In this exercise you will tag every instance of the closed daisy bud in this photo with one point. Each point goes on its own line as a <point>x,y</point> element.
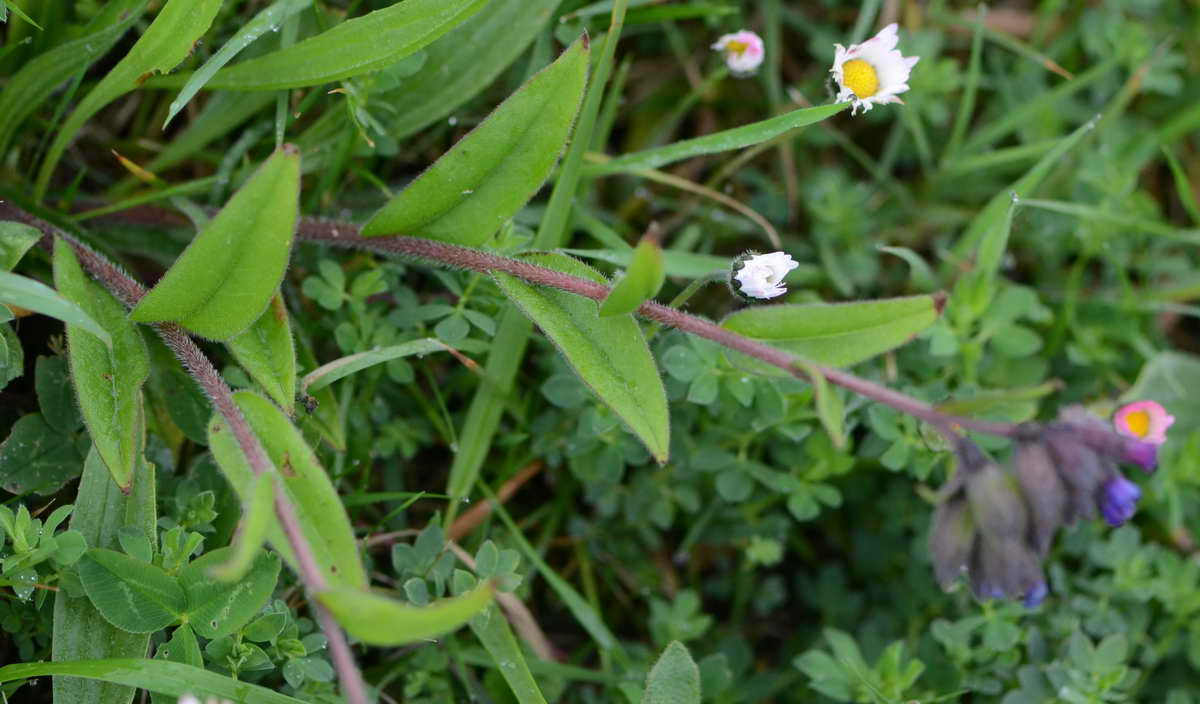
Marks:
<point>873,72</point>
<point>743,51</point>
<point>1044,492</point>
<point>1118,499</point>
<point>755,275</point>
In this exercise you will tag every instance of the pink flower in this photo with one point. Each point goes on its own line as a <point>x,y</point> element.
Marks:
<point>1145,420</point>
<point>743,51</point>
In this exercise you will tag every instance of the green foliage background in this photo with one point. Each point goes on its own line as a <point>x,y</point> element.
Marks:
<point>792,569</point>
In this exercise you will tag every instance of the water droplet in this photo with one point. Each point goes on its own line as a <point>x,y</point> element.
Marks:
<point>468,192</point>
<point>453,120</point>
<point>466,500</point>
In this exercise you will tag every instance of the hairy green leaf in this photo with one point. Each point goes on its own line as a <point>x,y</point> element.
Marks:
<point>378,620</point>
<point>641,282</point>
<point>259,512</point>
<point>609,354</point>
<point>227,276</point>
<point>674,679</point>
<point>268,354</point>
<point>489,174</point>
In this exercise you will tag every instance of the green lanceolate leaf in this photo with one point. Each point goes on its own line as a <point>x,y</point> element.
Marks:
<point>256,520</point>
<point>352,48</point>
<point>727,140</point>
<point>493,171</point>
<point>161,676</point>
<point>835,334</point>
<point>378,620</point>
<point>15,240</point>
<point>674,679</point>
<point>43,74</point>
<point>609,354</point>
<point>165,43</point>
<point>465,61</point>
<point>132,595</point>
<point>226,277</point>
<point>326,374</point>
<point>108,380</point>
<point>830,408</point>
<point>80,632</point>
<point>641,282</point>
<point>216,608</point>
<point>321,514</point>
<point>37,297</point>
<point>267,353</point>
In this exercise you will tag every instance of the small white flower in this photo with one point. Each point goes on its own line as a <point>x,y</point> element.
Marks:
<point>743,51</point>
<point>873,72</point>
<point>761,275</point>
<point>191,699</point>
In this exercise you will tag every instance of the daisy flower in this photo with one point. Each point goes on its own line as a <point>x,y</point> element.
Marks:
<point>873,72</point>
<point>743,51</point>
<point>1145,420</point>
<point>761,275</point>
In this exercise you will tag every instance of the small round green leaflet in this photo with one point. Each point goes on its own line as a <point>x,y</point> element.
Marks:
<point>227,276</point>
<point>610,354</point>
<point>108,379</point>
<point>641,282</point>
<point>322,516</point>
<point>378,620</point>
<point>833,334</point>
<point>492,172</point>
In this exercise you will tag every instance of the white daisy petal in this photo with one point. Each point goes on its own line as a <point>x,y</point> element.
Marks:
<point>873,72</point>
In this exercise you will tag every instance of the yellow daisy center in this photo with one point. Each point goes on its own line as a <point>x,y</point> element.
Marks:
<point>1138,423</point>
<point>736,47</point>
<point>860,77</point>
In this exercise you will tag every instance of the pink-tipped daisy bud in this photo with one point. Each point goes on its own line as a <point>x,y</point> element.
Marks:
<point>1143,420</point>
<point>759,276</point>
<point>743,51</point>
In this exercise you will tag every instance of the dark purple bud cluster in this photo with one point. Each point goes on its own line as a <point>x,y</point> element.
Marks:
<point>994,525</point>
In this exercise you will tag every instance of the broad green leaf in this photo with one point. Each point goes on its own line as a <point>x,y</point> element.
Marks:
<point>216,608</point>
<point>226,277</point>
<point>108,380</point>
<point>182,648</point>
<point>46,72</point>
<point>610,354</point>
<point>326,374</point>
<point>36,458</point>
<point>80,632</point>
<point>321,514</point>
<point>465,61</point>
<point>834,334</point>
<point>36,296</point>
<point>352,48</point>
<point>55,396</point>
<point>258,513</point>
<point>641,282</point>
<point>491,628</point>
<point>267,353</point>
<point>132,595</point>
<point>727,140</point>
<point>12,355</point>
<point>269,18</point>
<point>162,676</point>
<point>378,620</point>
<point>165,43</point>
<point>674,679</point>
<point>15,240</point>
<point>489,174</point>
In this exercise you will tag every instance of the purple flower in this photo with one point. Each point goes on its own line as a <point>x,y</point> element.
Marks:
<point>1118,500</point>
<point>1036,595</point>
<point>1143,454</point>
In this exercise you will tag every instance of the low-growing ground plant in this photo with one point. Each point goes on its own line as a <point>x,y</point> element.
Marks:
<point>644,351</point>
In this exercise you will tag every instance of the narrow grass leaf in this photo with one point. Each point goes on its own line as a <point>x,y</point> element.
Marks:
<point>218,608</point>
<point>306,483</point>
<point>80,632</point>
<point>165,43</point>
<point>465,61</point>
<point>227,276</point>
<point>1183,186</point>
<point>641,282</point>
<point>268,354</point>
<point>835,334</point>
<point>688,265</point>
<point>108,378</point>
<point>354,47</point>
<point>674,679</point>
<point>379,620</point>
<point>25,292</point>
<point>326,374</point>
<point>267,19</point>
<point>256,520</point>
<point>467,194</point>
<point>132,595</point>
<point>161,676</point>
<point>727,140</point>
<point>609,354</point>
<point>497,638</point>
